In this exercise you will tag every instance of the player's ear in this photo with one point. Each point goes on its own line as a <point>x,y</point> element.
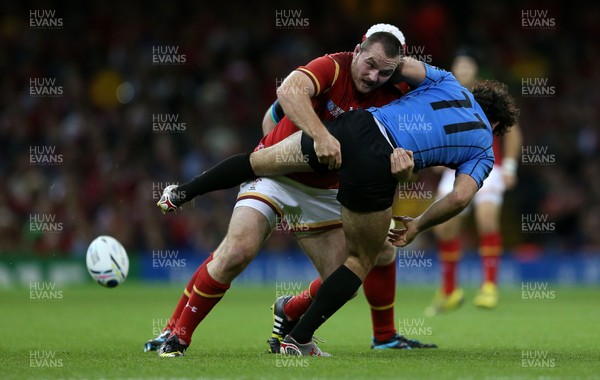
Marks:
<point>357,49</point>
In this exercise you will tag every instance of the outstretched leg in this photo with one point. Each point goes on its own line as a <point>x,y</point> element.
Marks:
<point>282,158</point>
<point>365,236</point>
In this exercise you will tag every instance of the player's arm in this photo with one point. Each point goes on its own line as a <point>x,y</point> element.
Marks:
<point>411,71</point>
<point>267,124</point>
<point>273,115</point>
<point>513,140</point>
<point>440,211</point>
<point>295,95</point>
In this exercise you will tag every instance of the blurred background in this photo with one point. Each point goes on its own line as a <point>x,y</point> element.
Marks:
<point>104,104</point>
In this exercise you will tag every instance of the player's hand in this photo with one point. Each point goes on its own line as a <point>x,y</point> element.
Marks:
<point>402,163</point>
<point>328,151</point>
<point>400,237</point>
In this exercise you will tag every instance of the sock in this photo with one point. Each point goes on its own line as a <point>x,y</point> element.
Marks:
<point>335,291</point>
<point>449,257</point>
<point>207,292</point>
<point>380,290</point>
<point>228,173</point>
<point>186,295</point>
<point>490,249</point>
<point>298,305</point>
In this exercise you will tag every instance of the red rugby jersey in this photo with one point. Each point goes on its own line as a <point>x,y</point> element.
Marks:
<point>497,148</point>
<point>334,95</point>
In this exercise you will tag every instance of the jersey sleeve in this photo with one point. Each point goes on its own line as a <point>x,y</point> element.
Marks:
<point>477,168</point>
<point>433,74</point>
<point>322,71</point>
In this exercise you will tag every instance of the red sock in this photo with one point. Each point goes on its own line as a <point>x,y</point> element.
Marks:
<point>298,305</point>
<point>490,249</point>
<point>207,292</point>
<point>186,295</point>
<point>449,257</point>
<point>380,289</point>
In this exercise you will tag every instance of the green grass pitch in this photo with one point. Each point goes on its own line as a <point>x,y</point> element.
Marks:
<point>93,332</point>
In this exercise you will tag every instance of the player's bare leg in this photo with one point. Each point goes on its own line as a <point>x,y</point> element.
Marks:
<point>282,158</point>
<point>365,235</point>
<point>487,217</point>
<point>247,231</point>
<point>379,287</point>
<point>327,251</point>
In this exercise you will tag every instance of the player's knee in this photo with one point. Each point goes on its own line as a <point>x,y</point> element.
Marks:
<point>487,228</point>
<point>235,257</point>
<point>387,255</point>
<point>487,225</point>
<point>365,261</point>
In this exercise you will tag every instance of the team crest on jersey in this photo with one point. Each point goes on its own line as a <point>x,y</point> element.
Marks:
<point>254,183</point>
<point>333,109</point>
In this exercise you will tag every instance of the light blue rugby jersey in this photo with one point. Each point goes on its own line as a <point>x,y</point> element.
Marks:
<point>442,124</point>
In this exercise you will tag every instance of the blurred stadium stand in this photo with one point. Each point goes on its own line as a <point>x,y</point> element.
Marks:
<point>111,161</point>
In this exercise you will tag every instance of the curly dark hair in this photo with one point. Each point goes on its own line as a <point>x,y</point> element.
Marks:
<point>498,105</point>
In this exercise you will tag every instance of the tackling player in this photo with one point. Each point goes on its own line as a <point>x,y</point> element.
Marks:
<point>487,205</point>
<point>305,202</point>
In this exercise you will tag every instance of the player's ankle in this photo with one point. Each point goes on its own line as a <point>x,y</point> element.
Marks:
<point>181,341</point>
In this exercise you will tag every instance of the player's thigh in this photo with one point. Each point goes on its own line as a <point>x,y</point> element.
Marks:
<point>487,217</point>
<point>282,158</point>
<point>365,234</point>
<point>488,202</point>
<point>326,250</point>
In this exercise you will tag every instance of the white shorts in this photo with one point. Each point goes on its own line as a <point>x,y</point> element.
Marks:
<point>292,207</point>
<point>491,191</point>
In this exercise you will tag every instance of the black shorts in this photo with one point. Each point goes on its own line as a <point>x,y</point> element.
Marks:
<point>366,181</point>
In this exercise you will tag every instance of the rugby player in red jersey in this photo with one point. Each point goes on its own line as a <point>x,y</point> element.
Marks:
<point>322,90</point>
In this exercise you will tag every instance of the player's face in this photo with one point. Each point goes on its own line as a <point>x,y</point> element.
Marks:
<point>465,70</point>
<point>372,67</point>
